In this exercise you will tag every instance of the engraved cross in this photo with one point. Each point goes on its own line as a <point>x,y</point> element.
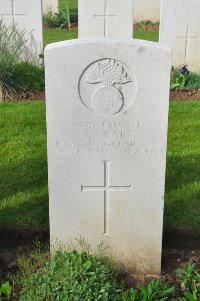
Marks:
<point>105,17</point>
<point>187,37</point>
<point>13,14</point>
<point>106,188</point>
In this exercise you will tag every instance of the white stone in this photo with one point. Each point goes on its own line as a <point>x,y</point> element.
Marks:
<point>50,6</point>
<point>105,18</point>
<point>107,115</point>
<point>28,16</point>
<point>147,10</point>
<point>180,29</point>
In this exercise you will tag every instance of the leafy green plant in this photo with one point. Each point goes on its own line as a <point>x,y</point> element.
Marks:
<point>51,20</point>
<point>72,276</point>
<point>190,282</point>
<point>65,15</point>
<point>5,289</point>
<point>27,77</point>
<point>193,81</point>
<point>61,19</point>
<point>178,80</point>
<point>157,290</point>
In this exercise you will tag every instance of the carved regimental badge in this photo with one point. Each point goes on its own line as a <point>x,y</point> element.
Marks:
<point>106,87</point>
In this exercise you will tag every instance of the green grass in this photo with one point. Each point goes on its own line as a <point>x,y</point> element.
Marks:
<point>183,167</point>
<point>23,165</point>
<point>57,35</point>
<point>72,4</point>
<point>73,8</point>
<point>146,35</point>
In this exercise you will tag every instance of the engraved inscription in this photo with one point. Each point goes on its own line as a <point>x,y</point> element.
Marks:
<point>105,18</point>
<point>107,88</point>
<point>13,13</point>
<point>106,188</point>
<point>107,138</point>
<point>187,38</point>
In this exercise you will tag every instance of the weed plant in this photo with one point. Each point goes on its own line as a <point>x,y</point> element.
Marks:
<point>73,275</point>
<point>180,80</point>
<point>62,19</point>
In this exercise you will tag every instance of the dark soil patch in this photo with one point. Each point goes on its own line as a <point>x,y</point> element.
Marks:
<point>73,27</point>
<point>149,26</point>
<point>179,248</point>
<point>182,95</point>
<point>17,242</point>
<point>25,95</point>
<point>175,95</point>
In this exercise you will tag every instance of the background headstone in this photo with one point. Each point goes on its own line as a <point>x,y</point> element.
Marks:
<point>180,29</point>
<point>147,10</point>
<point>28,16</point>
<point>50,5</point>
<point>107,115</point>
<point>105,18</point>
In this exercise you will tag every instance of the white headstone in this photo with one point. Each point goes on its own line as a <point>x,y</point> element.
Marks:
<point>28,16</point>
<point>180,29</point>
<point>107,115</point>
<point>105,18</point>
<point>50,6</point>
<point>147,10</point>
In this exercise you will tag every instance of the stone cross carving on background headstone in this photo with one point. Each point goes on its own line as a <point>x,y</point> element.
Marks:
<point>13,13</point>
<point>105,18</point>
<point>27,15</point>
<point>106,188</point>
<point>180,30</point>
<point>187,38</point>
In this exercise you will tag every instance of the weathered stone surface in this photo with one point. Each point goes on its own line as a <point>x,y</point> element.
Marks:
<point>28,16</point>
<point>107,114</point>
<point>180,30</point>
<point>106,18</point>
<point>50,5</point>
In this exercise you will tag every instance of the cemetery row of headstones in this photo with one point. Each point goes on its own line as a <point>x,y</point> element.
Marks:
<point>143,9</point>
<point>179,25</point>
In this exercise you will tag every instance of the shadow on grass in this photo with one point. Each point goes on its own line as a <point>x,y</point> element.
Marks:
<point>182,198</point>
<point>182,170</point>
<point>24,194</point>
<point>25,176</point>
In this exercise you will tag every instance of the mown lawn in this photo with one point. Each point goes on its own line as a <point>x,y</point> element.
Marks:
<point>57,35</point>
<point>23,166</point>
<point>182,208</point>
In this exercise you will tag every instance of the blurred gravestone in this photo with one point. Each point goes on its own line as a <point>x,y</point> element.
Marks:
<point>106,18</point>
<point>180,30</point>
<point>27,15</point>
<point>50,6</point>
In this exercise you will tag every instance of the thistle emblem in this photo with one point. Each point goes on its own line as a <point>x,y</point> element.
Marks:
<point>110,75</point>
